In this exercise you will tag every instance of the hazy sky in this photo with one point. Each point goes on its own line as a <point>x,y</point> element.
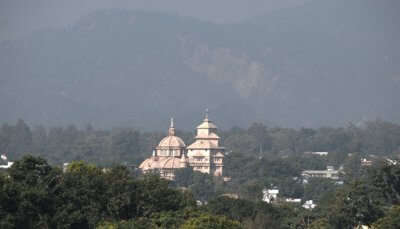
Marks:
<point>19,17</point>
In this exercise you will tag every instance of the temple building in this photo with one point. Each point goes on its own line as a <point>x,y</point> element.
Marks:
<point>204,154</point>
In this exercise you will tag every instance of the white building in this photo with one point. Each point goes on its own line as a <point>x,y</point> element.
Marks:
<point>270,195</point>
<point>365,162</point>
<point>318,153</point>
<point>330,173</point>
<point>4,163</point>
<point>309,204</point>
<point>291,200</point>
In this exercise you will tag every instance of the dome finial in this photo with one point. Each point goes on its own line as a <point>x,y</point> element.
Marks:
<point>206,115</point>
<point>171,130</point>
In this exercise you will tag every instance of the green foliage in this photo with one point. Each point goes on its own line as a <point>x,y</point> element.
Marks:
<point>390,221</point>
<point>316,188</point>
<point>258,215</point>
<point>355,204</point>
<point>321,223</point>
<point>352,167</point>
<point>235,209</point>
<point>36,195</point>
<point>140,223</point>
<point>206,221</point>
<point>387,179</point>
<point>28,195</point>
<point>184,177</point>
<point>127,145</point>
<point>154,195</point>
<point>201,185</point>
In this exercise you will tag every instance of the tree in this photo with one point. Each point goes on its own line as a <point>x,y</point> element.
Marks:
<point>317,187</point>
<point>390,221</point>
<point>237,209</point>
<point>352,167</point>
<point>31,190</point>
<point>16,140</point>
<point>154,195</point>
<point>184,177</point>
<point>260,132</point>
<point>125,144</point>
<point>203,187</point>
<point>206,221</point>
<point>82,196</point>
<point>321,223</point>
<point>353,205</point>
<point>121,203</point>
<point>387,180</point>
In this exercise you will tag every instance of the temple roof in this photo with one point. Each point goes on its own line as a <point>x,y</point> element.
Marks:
<point>203,144</point>
<point>207,124</point>
<point>208,136</point>
<point>161,163</point>
<point>171,141</point>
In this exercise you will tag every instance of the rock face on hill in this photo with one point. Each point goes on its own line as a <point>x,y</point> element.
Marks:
<point>318,64</point>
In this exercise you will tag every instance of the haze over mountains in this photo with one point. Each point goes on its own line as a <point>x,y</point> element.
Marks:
<point>321,63</point>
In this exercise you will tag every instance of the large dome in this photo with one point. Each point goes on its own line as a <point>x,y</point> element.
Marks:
<point>171,141</point>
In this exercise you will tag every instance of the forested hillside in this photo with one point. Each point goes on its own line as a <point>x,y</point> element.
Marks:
<point>36,195</point>
<point>256,157</point>
<point>131,146</point>
<point>322,63</point>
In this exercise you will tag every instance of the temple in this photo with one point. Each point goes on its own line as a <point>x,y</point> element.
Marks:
<point>204,154</point>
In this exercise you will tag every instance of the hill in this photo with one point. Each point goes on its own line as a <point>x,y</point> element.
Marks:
<point>322,63</point>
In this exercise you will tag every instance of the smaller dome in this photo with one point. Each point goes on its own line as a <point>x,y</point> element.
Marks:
<point>207,124</point>
<point>161,163</point>
<point>171,142</point>
<point>148,164</point>
<point>172,163</point>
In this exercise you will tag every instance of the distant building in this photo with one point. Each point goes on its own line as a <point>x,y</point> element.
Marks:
<point>317,153</point>
<point>330,173</point>
<point>391,162</point>
<point>204,154</point>
<point>65,166</point>
<point>365,162</point>
<point>227,179</point>
<point>270,195</point>
<point>4,163</point>
<point>309,204</point>
<point>291,200</point>
<point>362,227</point>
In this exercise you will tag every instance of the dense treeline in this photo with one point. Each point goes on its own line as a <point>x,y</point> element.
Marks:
<point>63,144</point>
<point>34,194</point>
<point>256,157</point>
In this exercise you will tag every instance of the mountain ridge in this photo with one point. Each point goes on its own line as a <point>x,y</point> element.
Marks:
<point>121,67</point>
